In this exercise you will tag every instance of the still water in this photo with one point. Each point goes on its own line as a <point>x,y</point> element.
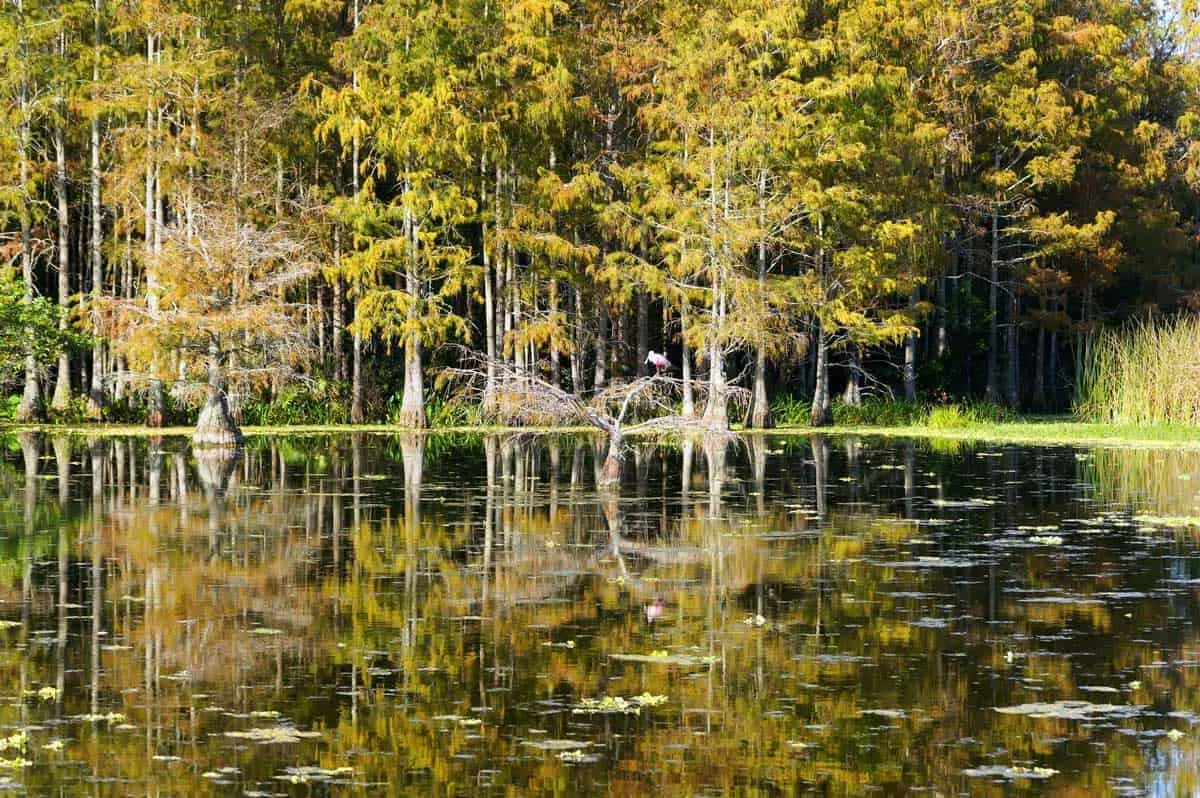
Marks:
<point>399,615</point>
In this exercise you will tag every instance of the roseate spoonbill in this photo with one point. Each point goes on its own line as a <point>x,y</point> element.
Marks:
<point>659,361</point>
<point>654,611</point>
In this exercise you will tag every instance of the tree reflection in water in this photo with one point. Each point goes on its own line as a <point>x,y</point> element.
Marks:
<point>429,612</point>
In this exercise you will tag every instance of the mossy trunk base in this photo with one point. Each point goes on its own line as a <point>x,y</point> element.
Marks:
<point>216,428</point>
<point>96,405</point>
<point>30,411</point>
<point>32,408</point>
<point>759,414</point>
<point>156,406</point>
<point>412,418</point>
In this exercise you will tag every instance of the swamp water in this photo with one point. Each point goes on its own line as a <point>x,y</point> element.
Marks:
<point>392,615</point>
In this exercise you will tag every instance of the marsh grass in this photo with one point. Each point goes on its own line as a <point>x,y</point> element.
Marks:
<point>1146,373</point>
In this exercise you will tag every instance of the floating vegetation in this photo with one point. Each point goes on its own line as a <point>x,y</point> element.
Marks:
<point>273,734</point>
<point>554,745</point>
<point>965,504</point>
<point>754,620</point>
<point>664,657</point>
<point>618,705</point>
<point>54,745</point>
<point>266,630</point>
<point>1072,600</point>
<point>1073,710</point>
<point>16,743</point>
<point>930,623</point>
<point>9,624</point>
<point>578,757</point>
<point>107,717</point>
<point>1010,772</point>
<point>308,774</point>
<point>891,714</point>
<point>927,562</point>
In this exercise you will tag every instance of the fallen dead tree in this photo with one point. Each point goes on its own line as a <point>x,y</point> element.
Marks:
<point>519,397</point>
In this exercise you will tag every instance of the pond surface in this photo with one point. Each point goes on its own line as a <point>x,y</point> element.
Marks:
<point>386,615</point>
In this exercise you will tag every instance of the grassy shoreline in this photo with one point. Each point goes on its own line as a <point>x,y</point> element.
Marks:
<point>1054,430</point>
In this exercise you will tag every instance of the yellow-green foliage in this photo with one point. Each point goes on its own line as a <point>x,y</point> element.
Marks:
<point>1148,373</point>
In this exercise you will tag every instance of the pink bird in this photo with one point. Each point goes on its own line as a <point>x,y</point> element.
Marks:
<point>654,611</point>
<point>659,361</point>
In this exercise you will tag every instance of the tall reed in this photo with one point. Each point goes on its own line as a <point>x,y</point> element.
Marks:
<point>1145,373</point>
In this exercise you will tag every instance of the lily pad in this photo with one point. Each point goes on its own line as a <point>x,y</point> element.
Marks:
<point>273,734</point>
<point>1010,772</point>
<point>1073,710</point>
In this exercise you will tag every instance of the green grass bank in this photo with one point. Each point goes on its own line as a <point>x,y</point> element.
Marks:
<point>1033,430</point>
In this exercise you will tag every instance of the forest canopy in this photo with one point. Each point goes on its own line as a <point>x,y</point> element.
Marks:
<point>312,208</point>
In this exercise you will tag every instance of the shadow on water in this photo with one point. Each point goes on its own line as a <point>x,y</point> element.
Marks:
<point>426,614</point>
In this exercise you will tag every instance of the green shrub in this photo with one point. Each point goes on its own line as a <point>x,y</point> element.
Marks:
<point>880,413</point>
<point>316,405</point>
<point>790,411</point>
<point>893,413</point>
<point>965,414</point>
<point>442,412</point>
<point>74,413</point>
<point>8,407</point>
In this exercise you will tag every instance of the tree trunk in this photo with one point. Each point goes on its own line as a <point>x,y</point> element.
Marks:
<point>339,313</point>
<point>689,396</point>
<point>578,343</point>
<point>216,427</point>
<point>155,402</point>
<point>716,411</point>
<point>992,390</point>
<point>614,460</point>
<point>489,327</point>
<point>31,408</point>
<point>318,287</point>
<point>853,393</point>
<point>601,343</point>
<point>821,413</point>
<point>1039,361</point>
<point>943,334</point>
<point>97,400</point>
<point>643,332</point>
<point>1052,371</point>
<point>759,416</point>
<point>555,355</point>
<point>356,408</point>
<point>62,384</point>
<point>1014,350</point>
<point>412,406</point>
<point>910,357</point>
